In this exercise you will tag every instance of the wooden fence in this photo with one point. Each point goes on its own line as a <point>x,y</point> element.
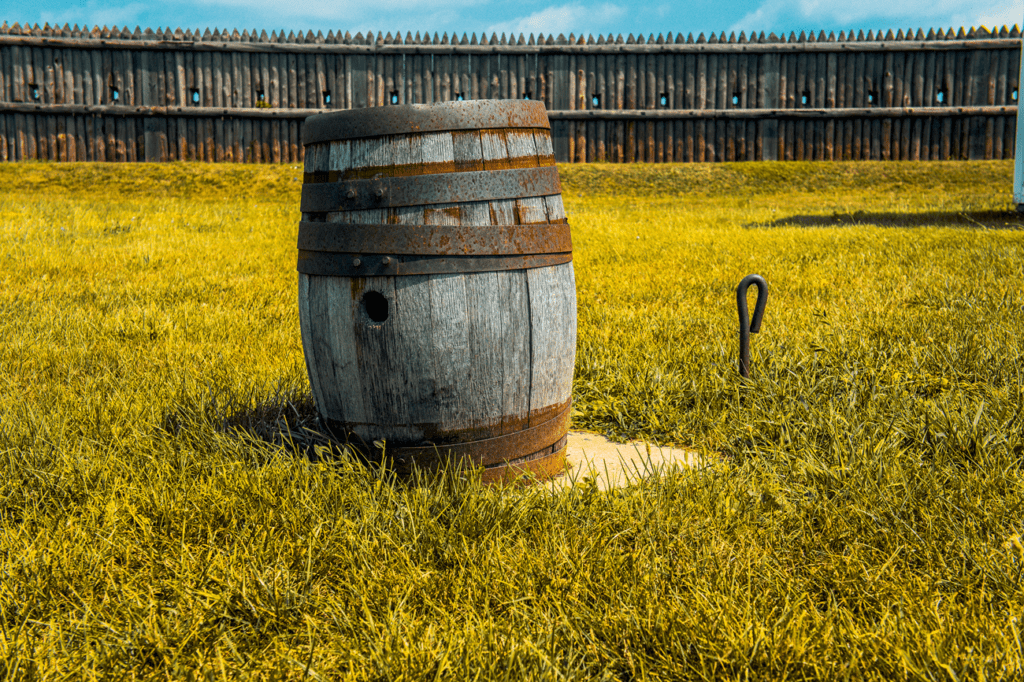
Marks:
<point>109,95</point>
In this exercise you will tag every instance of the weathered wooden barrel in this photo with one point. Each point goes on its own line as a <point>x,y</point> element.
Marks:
<point>436,289</point>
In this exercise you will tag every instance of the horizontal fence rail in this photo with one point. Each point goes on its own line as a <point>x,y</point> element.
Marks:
<point>111,95</point>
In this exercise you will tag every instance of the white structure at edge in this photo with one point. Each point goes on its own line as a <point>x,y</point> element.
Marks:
<point>1018,157</point>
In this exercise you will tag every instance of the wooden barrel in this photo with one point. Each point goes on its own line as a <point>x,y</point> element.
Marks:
<point>436,289</point>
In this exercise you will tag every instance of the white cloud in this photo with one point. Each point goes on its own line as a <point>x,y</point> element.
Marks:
<point>564,19</point>
<point>782,14</point>
<point>96,14</point>
<point>1006,14</point>
<point>324,13</point>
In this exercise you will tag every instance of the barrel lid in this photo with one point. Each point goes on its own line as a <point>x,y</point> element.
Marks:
<point>423,118</point>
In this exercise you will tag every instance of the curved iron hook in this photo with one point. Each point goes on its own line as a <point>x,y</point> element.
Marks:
<point>750,326</point>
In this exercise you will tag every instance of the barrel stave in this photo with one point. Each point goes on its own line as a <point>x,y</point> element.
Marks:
<point>380,351</point>
<point>553,336</point>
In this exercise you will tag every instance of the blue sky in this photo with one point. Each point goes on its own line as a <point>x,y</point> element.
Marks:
<point>524,16</point>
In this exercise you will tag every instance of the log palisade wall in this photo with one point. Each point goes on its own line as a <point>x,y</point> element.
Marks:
<point>110,95</point>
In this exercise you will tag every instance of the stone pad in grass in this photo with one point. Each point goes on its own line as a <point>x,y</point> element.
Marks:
<point>618,464</point>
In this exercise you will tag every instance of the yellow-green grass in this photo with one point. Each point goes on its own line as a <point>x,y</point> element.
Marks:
<point>858,516</point>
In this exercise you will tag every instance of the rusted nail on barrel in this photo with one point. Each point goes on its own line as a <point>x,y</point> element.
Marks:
<point>436,290</point>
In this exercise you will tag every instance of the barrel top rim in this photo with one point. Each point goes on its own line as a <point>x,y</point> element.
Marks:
<point>422,118</point>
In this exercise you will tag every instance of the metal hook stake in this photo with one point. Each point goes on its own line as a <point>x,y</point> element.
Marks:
<point>746,325</point>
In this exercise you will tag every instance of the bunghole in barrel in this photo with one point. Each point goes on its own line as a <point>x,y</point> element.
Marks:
<point>436,289</point>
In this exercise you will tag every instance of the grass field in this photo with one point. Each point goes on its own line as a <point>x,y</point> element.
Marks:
<point>858,517</point>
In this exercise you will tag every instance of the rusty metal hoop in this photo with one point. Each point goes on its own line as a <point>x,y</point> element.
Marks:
<point>423,118</point>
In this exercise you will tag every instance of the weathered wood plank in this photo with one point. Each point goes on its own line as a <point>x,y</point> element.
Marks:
<point>552,300</point>
<point>77,123</point>
<point>1000,96</point>
<point>832,93</point>
<point>914,94</point>
<point>48,85</point>
<point>685,71</point>
<point>4,138</point>
<point>977,93</point>
<point>415,63</point>
<point>205,62</point>
<point>18,93</point>
<point>533,85</point>
<point>584,83</point>
<point>701,100</point>
<point>313,79</point>
<point>403,80</point>
<point>947,88</point>
<point>504,67</point>
<point>723,102</point>
<point>714,148</point>
<point>5,69</point>
<point>248,134</point>
<point>513,344</point>
<point>800,87</point>
<point>652,95</point>
<point>178,96</point>
<point>20,137</point>
<point>414,332</point>
<point>430,93</point>
<point>876,67</point>
<point>771,87</point>
<point>600,130</point>
<point>380,357</point>
<point>47,147</point>
<point>930,71</point>
<point>901,128</point>
<point>288,73</point>
<point>488,334</point>
<point>294,146</point>
<point>345,81</point>
<point>65,87</point>
<point>332,326</point>
<point>788,143</point>
<point>191,78</point>
<point>522,75</point>
<point>590,91</point>
<point>300,77</point>
<point>450,349</point>
<point>266,72</point>
<point>861,83</point>
<point>332,85</point>
<point>443,78</point>
<point>320,82</point>
<point>32,139</point>
<point>807,95</point>
<point>310,347</point>
<point>816,86</point>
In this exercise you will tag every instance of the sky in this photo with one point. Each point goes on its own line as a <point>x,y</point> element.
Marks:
<point>524,16</point>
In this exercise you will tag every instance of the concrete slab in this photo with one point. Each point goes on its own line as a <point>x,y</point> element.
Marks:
<point>618,464</point>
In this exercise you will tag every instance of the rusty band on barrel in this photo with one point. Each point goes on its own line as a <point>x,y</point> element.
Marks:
<point>422,118</point>
<point>404,170</point>
<point>436,240</point>
<point>513,448</point>
<point>382,265</point>
<point>540,466</point>
<point>422,190</point>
